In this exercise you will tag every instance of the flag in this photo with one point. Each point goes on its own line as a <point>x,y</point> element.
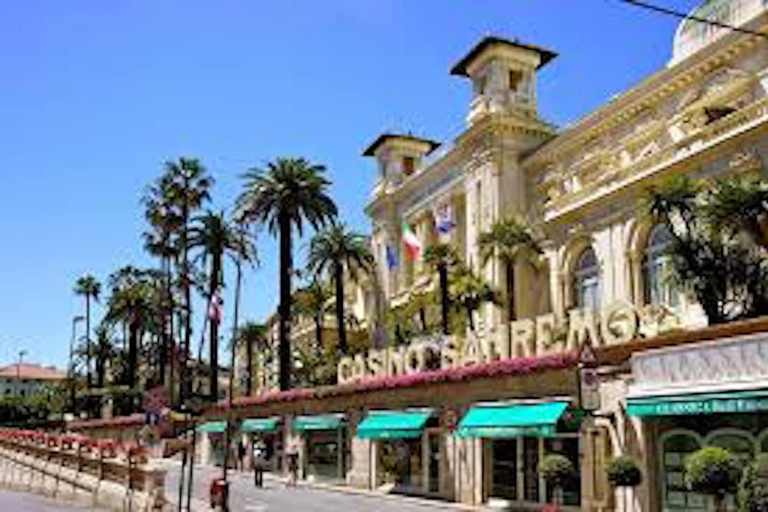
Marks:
<point>216,308</point>
<point>411,242</point>
<point>391,257</point>
<point>443,214</point>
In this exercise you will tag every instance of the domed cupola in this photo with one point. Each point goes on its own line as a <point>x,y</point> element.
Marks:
<point>693,35</point>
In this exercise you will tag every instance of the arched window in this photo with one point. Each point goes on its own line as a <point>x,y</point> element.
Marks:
<point>676,446</point>
<point>586,280</point>
<point>657,282</point>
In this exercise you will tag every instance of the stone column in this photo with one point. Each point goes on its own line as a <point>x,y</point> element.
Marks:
<point>362,467</point>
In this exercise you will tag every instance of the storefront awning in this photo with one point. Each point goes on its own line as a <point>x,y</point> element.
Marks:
<point>213,427</point>
<point>499,421</point>
<point>393,424</point>
<point>320,422</point>
<point>703,403</point>
<point>259,425</point>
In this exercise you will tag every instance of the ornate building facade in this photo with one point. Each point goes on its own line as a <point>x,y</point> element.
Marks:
<point>467,417</point>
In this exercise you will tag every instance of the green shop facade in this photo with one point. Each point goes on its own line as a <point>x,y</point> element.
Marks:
<point>474,439</point>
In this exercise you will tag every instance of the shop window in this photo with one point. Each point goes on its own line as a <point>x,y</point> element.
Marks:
<point>409,165</point>
<point>586,280</point>
<point>658,286</point>
<point>530,472</point>
<point>739,443</point>
<point>675,449</point>
<point>569,448</point>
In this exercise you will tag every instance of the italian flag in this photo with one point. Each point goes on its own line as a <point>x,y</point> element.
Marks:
<point>411,242</point>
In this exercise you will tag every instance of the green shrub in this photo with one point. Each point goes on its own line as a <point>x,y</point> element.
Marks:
<point>556,469</point>
<point>624,472</point>
<point>753,488</point>
<point>714,471</point>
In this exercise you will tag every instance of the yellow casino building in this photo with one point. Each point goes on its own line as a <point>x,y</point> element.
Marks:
<point>468,416</point>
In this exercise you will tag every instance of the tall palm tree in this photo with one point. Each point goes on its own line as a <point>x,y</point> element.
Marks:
<point>511,241</point>
<point>312,301</point>
<point>251,334</point>
<point>89,287</point>
<point>164,222</point>
<point>442,257</point>
<point>288,193</point>
<point>215,237</point>
<point>337,250</point>
<point>185,186</point>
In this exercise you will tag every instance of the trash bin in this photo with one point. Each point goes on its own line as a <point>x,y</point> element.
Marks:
<point>218,492</point>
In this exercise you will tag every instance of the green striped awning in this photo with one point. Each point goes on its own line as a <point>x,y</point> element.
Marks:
<point>319,422</point>
<point>213,427</point>
<point>728,402</point>
<point>393,424</point>
<point>502,421</point>
<point>259,425</point>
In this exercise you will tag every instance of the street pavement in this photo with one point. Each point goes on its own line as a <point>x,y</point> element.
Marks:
<point>23,502</point>
<point>275,497</point>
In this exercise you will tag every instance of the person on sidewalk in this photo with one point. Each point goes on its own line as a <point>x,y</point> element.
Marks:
<point>259,464</point>
<point>241,449</point>
<point>293,466</point>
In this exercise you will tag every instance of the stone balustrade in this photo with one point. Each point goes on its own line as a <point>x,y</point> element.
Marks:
<point>101,473</point>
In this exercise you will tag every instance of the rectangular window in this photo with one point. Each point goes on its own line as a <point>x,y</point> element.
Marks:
<point>505,469</point>
<point>409,165</point>
<point>515,80</point>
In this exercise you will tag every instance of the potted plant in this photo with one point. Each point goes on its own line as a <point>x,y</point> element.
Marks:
<point>556,470</point>
<point>713,471</point>
<point>624,472</point>
<point>753,488</point>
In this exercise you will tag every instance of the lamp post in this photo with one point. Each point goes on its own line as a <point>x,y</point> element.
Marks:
<point>22,353</point>
<point>75,320</point>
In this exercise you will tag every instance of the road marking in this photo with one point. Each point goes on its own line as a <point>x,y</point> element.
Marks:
<point>260,507</point>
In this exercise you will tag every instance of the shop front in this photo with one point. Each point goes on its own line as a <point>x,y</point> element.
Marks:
<point>212,442</point>
<point>514,438</point>
<point>406,448</point>
<point>266,433</point>
<point>708,394</point>
<point>325,446</point>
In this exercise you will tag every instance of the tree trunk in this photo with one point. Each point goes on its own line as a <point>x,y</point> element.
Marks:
<point>284,309</point>
<point>249,373</point>
<point>165,320</point>
<point>423,319</point>
<point>342,327</point>
<point>185,384</point>
<point>213,325</point>
<point>319,334</point>
<point>133,350</point>
<point>443,274</point>
<point>510,271</point>
<point>89,378</point>
<point>470,319</point>
<point>235,334</point>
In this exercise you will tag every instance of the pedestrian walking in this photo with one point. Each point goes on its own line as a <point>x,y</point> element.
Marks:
<point>259,464</point>
<point>241,449</point>
<point>293,466</point>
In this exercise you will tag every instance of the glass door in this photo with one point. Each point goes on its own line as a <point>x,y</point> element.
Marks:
<point>504,483</point>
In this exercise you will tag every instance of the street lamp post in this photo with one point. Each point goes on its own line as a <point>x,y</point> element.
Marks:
<point>75,320</point>
<point>22,353</point>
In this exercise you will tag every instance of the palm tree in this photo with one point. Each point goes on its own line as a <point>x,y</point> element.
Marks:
<point>442,257</point>
<point>741,205</point>
<point>214,236</point>
<point>288,193</point>
<point>134,304</point>
<point>185,186</point>
<point>89,287</point>
<point>103,349</point>
<point>250,334</point>
<point>469,292</point>
<point>335,249</point>
<point>312,301</point>
<point>164,223</point>
<point>510,241</point>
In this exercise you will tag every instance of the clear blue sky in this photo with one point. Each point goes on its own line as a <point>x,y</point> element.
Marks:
<point>95,95</point>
